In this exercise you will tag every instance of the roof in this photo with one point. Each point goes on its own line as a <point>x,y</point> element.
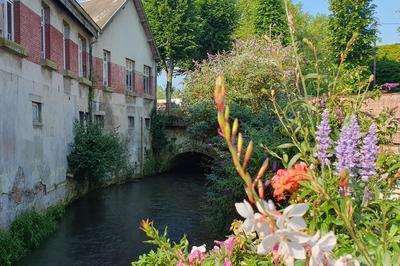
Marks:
<point>81,16</point>
<point>102,12</point>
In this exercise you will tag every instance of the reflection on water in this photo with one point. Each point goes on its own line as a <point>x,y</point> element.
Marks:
<point>102,227</point>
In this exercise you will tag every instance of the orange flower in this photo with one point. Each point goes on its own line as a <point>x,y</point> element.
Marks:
<point>287,180</point>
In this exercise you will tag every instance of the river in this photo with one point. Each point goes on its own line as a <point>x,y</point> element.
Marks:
<point>102,228</point>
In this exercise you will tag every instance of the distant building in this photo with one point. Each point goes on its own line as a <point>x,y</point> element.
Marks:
<point>47,49</point>
<point>125,70</point>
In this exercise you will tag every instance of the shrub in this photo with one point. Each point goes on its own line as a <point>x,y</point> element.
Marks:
<point>32,228</point>
<point>387,71</point>
<point>96,154</point>
<point>11,248</point>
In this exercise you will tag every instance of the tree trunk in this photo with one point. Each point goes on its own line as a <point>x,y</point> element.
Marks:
<point>168,89</point>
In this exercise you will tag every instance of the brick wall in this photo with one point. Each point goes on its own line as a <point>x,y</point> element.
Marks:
<point>27,31</point>
<point>56,47</point>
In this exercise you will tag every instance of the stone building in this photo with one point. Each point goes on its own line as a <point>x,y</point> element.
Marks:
<point>51,53</point>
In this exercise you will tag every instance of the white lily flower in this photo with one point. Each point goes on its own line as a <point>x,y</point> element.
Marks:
<point>346,261</point>
<point>321,248</point>
<point>292,217</point>
<point>264,206</point>
<point>289,245</point>
<point>253,221</point>
<point>246,211</point>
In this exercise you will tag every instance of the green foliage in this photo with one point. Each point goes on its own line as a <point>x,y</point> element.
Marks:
<point>218,20</point>
<point>11,248</point>
<point>349,17</point>
<point>270,19</point>
<point>157,132</point>
<point>389,52</point>
<point>27,232</point>
<point>387,71</point>
<point>251,70</point>
<point>32,228</point>
<point>96,154</point>
<point>174,26</point>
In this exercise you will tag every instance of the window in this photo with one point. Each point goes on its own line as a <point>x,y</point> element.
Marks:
<point>106,67</point>
<point>82,57</point>
<point>146,79</point>
<point>147,123</point>
<point>131,122</point>
<point>36,112</point>
<point>44,30</point>
<point>130,75</point>
<point>83,118</point>
<point>7,19</point>
<point>99,120</point>
<point>66,45</point>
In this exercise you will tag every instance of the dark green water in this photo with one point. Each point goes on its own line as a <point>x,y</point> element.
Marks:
<point>102,227</point>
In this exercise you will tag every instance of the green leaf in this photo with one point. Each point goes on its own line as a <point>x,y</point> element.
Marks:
<point>294,160</point>
<point>286,146</point>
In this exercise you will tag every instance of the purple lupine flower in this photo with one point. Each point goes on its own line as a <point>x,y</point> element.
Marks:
<point>369,154</point>
<point>347,154</point>
<point>323,141</point>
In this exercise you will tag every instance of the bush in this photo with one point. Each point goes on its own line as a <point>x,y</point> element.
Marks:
<point>387,72</point>
<point>27,232</point>
<point>32,228</point>
<point>11,248</point>
<point>97,154</point>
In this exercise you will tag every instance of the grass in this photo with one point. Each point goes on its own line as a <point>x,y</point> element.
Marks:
<point>27,232</point>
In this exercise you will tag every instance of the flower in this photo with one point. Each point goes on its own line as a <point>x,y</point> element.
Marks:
<point>287,243</point>
<point>288,180</point>
<point>321,248</point>
<point>346,149</point>
<point>346,261</point>
<point>323,140</point>
<point>228,244</point>
<point>197,254</point>
<point>253,221</point>
<point>369,154</point>
<point>227,262</point>
<point>292,217</point>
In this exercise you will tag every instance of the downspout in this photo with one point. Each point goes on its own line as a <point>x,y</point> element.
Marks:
<point>91,78</point>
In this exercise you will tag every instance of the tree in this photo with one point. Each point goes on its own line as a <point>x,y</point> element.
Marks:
<point>174,24</point>
<point>218,20</point>
<point>270,19</point>
<point>349,17</point>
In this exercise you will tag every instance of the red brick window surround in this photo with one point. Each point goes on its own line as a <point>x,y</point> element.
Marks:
<point>7,19</point>
<point>45,31</point>
<point>106,67</point>
<point>130,75</point>
<point>146,79</point>
<point>66,47</point>
<point>82,58</point>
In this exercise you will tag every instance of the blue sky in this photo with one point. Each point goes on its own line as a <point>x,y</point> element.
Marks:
<point>387,13</point>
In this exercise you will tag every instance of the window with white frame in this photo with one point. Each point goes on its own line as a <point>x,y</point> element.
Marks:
<point>146,79</point>
<point>81,56</point>
<point>99,120</point>
<point>44,32</point>
<point>106,67</point>
<point>7,19</point>
<point>130,75</point>
<point>36,112</point>
<point>66,31</point>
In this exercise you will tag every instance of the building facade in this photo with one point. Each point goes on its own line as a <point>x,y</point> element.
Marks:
<point>51,54</point>
<point>124,71</point>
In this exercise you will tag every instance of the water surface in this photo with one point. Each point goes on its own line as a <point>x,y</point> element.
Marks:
<point>102,227</point>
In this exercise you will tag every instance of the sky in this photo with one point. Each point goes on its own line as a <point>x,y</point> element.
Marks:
<point>387,13</point>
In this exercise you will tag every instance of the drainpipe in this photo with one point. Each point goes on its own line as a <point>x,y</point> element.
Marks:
<point>91,89</point>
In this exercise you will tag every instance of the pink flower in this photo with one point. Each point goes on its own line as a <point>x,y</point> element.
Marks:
<point>228,244</point>
<point>227,262</point>
<point>197,255</point>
